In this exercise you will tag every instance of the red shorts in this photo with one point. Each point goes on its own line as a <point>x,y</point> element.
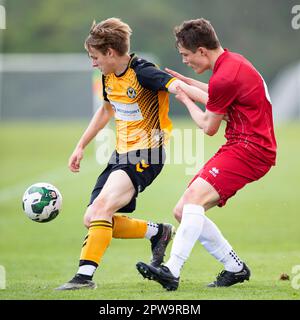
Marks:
<point>230,169</point>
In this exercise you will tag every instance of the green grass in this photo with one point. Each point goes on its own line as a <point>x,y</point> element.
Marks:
<point>261,222</point>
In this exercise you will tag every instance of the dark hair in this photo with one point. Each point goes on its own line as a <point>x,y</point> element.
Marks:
<point>111,33</point>
<point>193,34</point>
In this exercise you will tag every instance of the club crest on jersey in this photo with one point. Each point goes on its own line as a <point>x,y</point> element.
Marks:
<point>131,93</point>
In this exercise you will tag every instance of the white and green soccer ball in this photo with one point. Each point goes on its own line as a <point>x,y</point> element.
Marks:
<point>42,202</point>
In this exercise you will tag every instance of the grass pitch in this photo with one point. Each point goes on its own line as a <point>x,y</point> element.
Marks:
<point>261,222</point>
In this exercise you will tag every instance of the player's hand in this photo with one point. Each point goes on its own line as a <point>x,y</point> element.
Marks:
<point>177,75</point>
<point>182,96</point>
<point>74,161</point>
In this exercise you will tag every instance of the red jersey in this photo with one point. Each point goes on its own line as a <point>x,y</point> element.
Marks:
<point>236,88</point>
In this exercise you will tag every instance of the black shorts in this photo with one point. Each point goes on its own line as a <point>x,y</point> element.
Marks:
<point>142,167</point>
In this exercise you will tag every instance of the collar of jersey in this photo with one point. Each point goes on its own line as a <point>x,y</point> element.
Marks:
<point>220,59</point>
<point>132,55</point>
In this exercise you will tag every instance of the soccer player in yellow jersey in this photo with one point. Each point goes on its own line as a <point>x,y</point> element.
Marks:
<point>135,93</point>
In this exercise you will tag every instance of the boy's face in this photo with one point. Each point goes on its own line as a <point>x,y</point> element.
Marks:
<point>104,62</point>
<point>198,60</point>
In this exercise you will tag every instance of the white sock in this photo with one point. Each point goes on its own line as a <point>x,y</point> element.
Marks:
<point>152,229</point>
<point>232,262</point>
<point>186,236</point>
<point>87,270</point>
<point>215,243</point>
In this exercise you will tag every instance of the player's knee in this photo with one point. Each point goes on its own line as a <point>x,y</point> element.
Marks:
<point>196,196</point>
<point>190,196</point>
<point>102,206</point>
<point>98,210</point>
<point>87,217</point>
<point>177,213</point>
<point>86,220</point>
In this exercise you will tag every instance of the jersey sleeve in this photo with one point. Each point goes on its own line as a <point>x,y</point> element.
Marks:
<point>152,78</point>
<point>103,89</point>
<point>221,95</point>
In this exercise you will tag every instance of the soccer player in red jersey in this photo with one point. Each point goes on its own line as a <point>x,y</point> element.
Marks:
<point>236,91</point>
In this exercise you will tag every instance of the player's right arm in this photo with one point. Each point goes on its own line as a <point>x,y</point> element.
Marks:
<point>222,95</point>
<point>190,81</point>
<point>98,122</point>
<point>206,120</point>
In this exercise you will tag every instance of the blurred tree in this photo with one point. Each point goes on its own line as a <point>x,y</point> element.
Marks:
<point>261,30</point>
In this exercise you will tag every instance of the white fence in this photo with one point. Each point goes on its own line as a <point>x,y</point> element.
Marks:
<point>45,86</point>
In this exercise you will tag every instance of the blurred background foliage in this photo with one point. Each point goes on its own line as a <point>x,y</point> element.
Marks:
<point>259,29</point>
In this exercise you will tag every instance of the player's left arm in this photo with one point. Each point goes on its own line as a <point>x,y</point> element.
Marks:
<point>151,77</point>
<point>155,79</point>
<point>192,82</point>
<point>194,93</point>
<point>206,120</point>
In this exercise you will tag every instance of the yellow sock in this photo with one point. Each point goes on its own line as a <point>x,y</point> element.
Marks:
<point>96,242</point>
<point>128,228</point>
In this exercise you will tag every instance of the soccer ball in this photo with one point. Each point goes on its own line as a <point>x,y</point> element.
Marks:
<point>42,202</point>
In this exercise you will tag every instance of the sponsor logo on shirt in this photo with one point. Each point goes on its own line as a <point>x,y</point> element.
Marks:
<point>214,171</point>
<point>127,111</point>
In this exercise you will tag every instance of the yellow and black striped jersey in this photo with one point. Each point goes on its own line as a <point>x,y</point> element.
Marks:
<point>140,100</point>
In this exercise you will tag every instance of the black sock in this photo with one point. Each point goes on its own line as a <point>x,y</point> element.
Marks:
<point>83,276</point>
<point>155,238</point>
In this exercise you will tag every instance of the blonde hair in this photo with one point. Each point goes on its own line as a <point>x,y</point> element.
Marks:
<point>111,33</point>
